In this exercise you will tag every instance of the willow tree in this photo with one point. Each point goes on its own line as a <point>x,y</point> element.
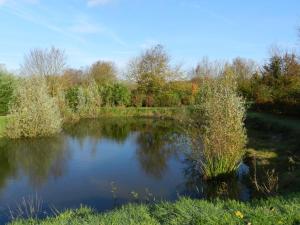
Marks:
<point>34,112</point>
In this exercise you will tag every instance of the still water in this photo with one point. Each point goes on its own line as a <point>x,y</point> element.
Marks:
<point>103,164</point>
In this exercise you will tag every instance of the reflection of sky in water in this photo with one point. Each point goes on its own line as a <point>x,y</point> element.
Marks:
<point>78,166</point>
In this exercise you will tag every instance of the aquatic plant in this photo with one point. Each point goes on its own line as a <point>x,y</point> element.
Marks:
<point>216,126</point>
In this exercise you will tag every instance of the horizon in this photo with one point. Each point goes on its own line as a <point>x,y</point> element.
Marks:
<point>118,30</point>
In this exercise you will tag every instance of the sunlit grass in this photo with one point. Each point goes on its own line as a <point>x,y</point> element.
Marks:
<point>276,210</point>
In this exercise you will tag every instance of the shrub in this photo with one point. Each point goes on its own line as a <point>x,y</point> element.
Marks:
<point>68,114</point>
<point>263,94</point>
<point>137,98</point>
<point>121,95</point>
<point>71,97</point>
<point>168,99</point>
<point>115,95</point>
<point>7,85</point>
<point>106,92</point>
<point>218,133</point>
<point>89,101</point>
<point>34,112</point>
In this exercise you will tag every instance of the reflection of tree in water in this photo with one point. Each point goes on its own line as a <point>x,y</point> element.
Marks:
<point>156,146</point>
<point>7,167</point>
<point>110,128</point>
<point>36,158</point>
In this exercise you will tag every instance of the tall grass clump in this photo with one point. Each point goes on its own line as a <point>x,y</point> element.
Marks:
<point>217,126</point>
<point>34,112</point>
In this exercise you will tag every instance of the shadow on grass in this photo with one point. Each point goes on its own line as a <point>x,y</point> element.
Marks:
<point>273,143</point>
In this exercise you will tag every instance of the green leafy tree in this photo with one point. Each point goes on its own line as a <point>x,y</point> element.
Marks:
<point>7,85</point>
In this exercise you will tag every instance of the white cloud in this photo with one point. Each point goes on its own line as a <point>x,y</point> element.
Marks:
<point>92,3</point>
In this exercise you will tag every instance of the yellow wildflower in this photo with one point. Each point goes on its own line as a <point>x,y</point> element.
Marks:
<point>239,214</point>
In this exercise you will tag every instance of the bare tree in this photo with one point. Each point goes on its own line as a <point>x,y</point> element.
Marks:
<point>207,68</point>
<point>244,68</point>
<point>44,62</point>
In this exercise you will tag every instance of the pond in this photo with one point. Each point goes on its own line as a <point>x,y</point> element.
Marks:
<point>103,164</point>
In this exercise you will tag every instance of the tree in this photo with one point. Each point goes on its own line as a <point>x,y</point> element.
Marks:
<point>151,70</point>
<point>34,112</point>
<point>103,72</point>
<point>49,63</point>
<point>207,68</point>
<point>243,68</point>
<point>72,78</point>
<point>44,62</point>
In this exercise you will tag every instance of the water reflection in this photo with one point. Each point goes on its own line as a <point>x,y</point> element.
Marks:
<point>37,159</point>
<point>156,146</point>
<point>79,165</point>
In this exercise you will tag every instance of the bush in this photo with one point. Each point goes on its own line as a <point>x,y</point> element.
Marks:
<point>68,114</point>
<point>89,101</point>
<point>218,133</point>
<point>167,99</point>
<point>34,112</point>
<point>7,85</point>
<point>137,99</point>
<point>263,94</point>
<point>115,95</point>
<point>106,92</point>
<point>71,97</point>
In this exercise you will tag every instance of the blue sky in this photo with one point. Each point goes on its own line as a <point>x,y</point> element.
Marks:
<point>90,30</point>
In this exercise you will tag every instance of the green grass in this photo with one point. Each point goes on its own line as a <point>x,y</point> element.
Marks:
<point>274,143</point>
<point>159,112</point>
<point>3,120</point>
<point>281,121</point>
<point>276,210</point>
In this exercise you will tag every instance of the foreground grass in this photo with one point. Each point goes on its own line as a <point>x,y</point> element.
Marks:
<point>277,210</point>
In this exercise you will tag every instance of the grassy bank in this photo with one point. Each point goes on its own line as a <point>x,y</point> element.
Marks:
<point>273,144</point>
<point>281,121</point>
<point>276,210</point>
<point>159,112</point>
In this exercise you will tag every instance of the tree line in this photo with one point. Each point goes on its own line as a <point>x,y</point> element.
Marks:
<point>151,81</point>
